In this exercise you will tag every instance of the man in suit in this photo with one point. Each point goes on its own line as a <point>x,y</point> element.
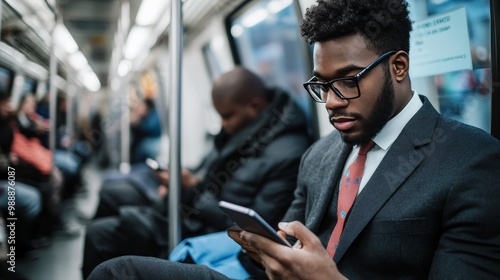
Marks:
<point>426,200</point>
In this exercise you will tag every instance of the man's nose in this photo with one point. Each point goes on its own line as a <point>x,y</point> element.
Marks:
<point>333,101</point>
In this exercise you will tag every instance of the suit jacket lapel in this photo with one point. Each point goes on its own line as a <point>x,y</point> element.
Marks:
<point>399,162</point>
<point>331,164</point>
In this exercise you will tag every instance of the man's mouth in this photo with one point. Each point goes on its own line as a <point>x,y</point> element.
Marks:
<point>342,123</point>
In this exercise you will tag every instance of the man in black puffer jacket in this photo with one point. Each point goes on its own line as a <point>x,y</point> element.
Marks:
<point>254,163</point>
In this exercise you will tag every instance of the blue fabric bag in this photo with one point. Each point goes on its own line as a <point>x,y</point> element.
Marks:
<point>216,251</point>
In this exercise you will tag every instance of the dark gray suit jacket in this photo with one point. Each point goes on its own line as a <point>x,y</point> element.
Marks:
<point>430,211</point>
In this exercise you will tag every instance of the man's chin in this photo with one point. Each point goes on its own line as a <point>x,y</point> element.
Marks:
<point>349,138</point>
<point>354,139</point>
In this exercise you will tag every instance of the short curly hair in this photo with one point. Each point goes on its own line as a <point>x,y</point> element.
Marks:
<point>385,24</point>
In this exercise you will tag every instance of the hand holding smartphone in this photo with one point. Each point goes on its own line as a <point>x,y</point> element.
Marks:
<point>234,233</point>
<point>250,221</point>
<point>155,165</point>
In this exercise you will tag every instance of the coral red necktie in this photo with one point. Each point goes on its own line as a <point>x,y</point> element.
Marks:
<point>348,191</point>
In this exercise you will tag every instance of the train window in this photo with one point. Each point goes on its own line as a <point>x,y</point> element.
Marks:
<point>5,79</point>
<point>211,61</point>
<point>30,85</point>
<point>455,76</point>
<point>265,38</point>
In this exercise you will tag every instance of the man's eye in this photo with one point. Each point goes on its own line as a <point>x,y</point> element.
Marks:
<point>346,84</point>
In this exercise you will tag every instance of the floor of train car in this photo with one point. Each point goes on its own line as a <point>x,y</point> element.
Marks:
<point>62,260</point>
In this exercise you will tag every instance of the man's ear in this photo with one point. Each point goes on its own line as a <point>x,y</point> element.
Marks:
<point>400,65</point>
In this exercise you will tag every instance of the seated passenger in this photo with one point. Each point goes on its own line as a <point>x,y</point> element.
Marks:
<point>422,203</point>
<point>145,131</point>
<point>29,122</point>
<point>27,200</point>
<point>35,127</point>
<point>33,165</point>
<point>66,155</point>
<point>254,163</point>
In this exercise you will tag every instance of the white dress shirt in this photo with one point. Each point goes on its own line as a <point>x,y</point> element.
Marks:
<point>384,139</point>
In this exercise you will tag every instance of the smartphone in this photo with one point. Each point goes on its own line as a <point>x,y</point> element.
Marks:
<point>250,221</point>
<point>155,165</point>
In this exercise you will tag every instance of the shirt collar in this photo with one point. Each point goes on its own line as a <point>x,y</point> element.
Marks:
<point>394,126</point>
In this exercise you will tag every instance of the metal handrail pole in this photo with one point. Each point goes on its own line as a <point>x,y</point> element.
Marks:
<point>125,125</point>
<point>53,94</point>
<point>70,108</point>
<point>175,46</point>
<point>1,11</point>
<point>123,92</point>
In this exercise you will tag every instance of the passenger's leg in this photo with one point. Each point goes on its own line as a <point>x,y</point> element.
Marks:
<point>28,201</point>
<point>69,165</point>
<point>67,162</point>
<point>117,193</point>
<point>135,267</point>
<point>27,205</point>
<point>105,239</point>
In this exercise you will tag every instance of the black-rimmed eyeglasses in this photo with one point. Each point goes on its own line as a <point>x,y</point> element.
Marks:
<point>345,88</point>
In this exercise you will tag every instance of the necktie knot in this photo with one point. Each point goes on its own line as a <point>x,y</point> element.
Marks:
<point>365,147</point>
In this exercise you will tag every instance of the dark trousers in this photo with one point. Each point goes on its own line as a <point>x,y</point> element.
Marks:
<point>106,239</point>
<point>137,268</point>
<point>117,193</point>
<point>108,236</point>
